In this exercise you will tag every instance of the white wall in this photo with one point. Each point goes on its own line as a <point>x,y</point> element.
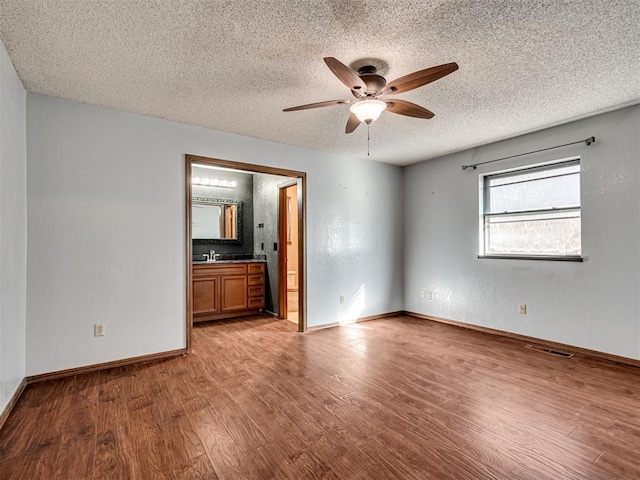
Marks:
<point>13,229</point>
<point>106,230</point>
<point>594,304</point>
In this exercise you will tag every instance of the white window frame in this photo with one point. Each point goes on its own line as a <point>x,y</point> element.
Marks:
<point>483,201</point>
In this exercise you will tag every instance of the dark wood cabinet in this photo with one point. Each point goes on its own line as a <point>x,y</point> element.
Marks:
<point>225,290</point>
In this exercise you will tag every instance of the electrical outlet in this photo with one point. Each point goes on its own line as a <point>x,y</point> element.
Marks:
<point>341,298</point>
<point>523,308</point>
<point>98,330</point>
<point>426,294</point>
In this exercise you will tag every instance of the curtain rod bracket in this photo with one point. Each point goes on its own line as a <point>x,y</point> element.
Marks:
<point>588,141</point>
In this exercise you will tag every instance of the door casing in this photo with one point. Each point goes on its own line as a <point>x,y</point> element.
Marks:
<point>301,179</point>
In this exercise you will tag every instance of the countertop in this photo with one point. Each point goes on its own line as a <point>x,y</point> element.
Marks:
<point>204,262</point>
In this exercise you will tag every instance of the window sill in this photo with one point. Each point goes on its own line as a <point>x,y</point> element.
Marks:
<point>555,258</point>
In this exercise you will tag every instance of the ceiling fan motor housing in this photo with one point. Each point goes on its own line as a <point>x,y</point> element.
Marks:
<point>375,83</point>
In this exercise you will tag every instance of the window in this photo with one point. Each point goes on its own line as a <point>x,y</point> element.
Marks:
<point>532,212</point>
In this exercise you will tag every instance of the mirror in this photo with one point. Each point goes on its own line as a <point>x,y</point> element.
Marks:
<point>216,221</point>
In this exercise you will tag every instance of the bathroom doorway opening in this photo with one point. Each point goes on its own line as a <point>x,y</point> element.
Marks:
<point>288,266</point>
<point>275,240</point>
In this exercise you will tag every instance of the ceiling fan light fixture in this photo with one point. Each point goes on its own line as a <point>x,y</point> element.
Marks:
<point>368,110</point>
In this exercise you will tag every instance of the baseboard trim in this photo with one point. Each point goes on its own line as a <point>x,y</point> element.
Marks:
<point>12,403</point>
<point>537,341</point>
<point>104,366</point>
<point>359,320</point>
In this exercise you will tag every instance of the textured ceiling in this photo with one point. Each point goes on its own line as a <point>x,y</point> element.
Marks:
<point>234,65</point>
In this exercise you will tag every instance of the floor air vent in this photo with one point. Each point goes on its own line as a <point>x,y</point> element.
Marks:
<point>550,352</point>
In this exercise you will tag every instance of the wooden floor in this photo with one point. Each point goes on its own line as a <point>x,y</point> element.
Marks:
<point>398,398</point>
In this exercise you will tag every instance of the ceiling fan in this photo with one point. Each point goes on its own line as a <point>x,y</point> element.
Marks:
<point>367,86</point>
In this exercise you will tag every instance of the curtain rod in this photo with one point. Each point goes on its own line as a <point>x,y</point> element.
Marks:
<point>588,141</point>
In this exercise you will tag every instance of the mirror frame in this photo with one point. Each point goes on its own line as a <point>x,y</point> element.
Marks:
<point>220,241</point>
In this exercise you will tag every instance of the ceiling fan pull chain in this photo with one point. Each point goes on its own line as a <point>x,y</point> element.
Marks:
<point>368,124</point>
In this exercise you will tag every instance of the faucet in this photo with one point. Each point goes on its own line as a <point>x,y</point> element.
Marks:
<point>212,255</point>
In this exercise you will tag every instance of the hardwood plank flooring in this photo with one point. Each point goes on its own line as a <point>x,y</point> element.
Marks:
<point>396,398</point>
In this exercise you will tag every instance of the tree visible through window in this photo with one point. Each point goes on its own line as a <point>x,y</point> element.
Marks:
<point>533,211</point>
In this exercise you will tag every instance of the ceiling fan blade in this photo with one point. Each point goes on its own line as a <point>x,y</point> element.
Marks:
<point>419,78</point>
<point>346,75</point>
<point>352,123</point>
<point>402,107</point>
<point>328,103</point>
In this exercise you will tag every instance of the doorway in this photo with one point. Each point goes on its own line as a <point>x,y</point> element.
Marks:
<point>293,246</point>
<point>288,265</point>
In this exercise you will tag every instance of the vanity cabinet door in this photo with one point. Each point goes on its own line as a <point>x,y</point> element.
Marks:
<point>205,295</point>
<point>234,293</point>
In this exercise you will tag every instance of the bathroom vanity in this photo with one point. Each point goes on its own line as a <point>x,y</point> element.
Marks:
<point>225,289</point>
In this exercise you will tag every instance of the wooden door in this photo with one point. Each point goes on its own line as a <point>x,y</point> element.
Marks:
<point>289,253</point>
